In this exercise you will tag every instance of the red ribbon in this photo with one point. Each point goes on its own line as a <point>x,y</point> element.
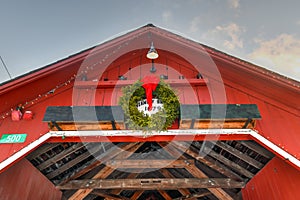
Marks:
<point>149,84</point>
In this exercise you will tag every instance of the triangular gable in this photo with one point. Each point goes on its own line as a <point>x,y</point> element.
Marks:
<point>242,82</point>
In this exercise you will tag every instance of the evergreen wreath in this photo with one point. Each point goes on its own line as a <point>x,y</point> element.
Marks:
<point>160,121</point>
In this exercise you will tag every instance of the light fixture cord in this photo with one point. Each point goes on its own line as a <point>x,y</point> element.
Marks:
<point>5,68</point>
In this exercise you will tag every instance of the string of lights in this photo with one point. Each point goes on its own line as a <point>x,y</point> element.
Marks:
<point>38,98</point>
<point>73,78</point>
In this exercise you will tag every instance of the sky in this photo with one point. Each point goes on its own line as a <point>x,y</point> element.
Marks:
<point>35,33</point>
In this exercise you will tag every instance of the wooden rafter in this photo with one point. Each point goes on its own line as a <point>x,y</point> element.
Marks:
<point>218,192</point>
<point>239,154</point>
<point>130,176</point>
<point>150,183</point>
<point>220,167</point>
<point>136,195</point>
<point>167,174</point>
<point>192,151</point>
<point>262,151</point>
<point>228,162</point>
<point>41,150</point>
<point>81,193</point>
<point>165,194</point>
<point>113,151</point>
<point>73,162</point>
<point>193,196</point>
<point>106,171</point>
<point>109,195</point>
<point>60,156</point>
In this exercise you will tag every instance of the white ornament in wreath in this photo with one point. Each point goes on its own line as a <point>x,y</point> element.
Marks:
<point>143,107</point>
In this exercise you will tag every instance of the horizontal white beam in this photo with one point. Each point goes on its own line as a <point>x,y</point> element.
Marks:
<point>149,134</point>
<point>277,150</point>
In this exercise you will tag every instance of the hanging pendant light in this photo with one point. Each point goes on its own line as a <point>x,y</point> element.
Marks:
<point>152,53</point>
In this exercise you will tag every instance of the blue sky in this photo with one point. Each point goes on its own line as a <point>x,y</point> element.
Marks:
<point>35,33</point>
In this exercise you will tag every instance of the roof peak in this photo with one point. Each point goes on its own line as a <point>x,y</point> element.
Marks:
<point>149,25</point>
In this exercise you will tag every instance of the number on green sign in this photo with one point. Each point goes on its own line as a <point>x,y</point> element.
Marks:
<point>13,138</point>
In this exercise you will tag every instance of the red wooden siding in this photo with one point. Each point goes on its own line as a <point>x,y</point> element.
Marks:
<point>233,81</point>
<point>34,128</point>
<point>277,180</point>
<point>274,125</point>
<point>277,124</point>
<point>24,181</point>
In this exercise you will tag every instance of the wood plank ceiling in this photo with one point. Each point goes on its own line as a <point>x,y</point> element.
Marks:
<point>151,170</point>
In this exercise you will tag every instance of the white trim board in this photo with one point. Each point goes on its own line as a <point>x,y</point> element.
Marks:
<point>277,150</point>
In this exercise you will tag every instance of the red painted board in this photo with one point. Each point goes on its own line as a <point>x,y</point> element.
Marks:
<point>24,181</point>
<point>277,180</point>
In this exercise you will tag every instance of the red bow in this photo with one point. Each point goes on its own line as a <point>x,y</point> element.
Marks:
<point>149,84</point>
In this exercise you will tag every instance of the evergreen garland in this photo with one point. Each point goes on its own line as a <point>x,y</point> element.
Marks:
<point>159,121</point>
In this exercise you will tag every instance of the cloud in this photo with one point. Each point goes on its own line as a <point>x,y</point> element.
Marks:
<point>280,54</point>
<point>194,24</point>
<point>167,16</point>
<point>227,37</point>
<point>234,3</point>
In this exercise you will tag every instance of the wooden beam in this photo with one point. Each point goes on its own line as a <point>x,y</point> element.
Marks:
<point>196,172</point>
<point>136,195</point>
<point>152,183</point>
<point>109,196</point>
<point>130,176</point>
<point>258,149</point>
<point>220,167</point>
<point>164,194</point>
<point>228,162</point>
<point>59,156</point>
<point>41,150</point>
<point>73,162</point>
<point>148,164</point>
<point>192,151</point>
<point>217,191</point>
<point>109,154</point>
<point>167,174</point>
<point>193,196</point>
<point>106,171</point>
<point>175,154</point>
<point>82,193</point>
<point>239,154</point>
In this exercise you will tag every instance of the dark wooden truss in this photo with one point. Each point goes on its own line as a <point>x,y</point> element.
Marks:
<point>151,170</point>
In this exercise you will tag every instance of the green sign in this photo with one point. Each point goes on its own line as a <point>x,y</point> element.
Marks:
<point>13,138</point>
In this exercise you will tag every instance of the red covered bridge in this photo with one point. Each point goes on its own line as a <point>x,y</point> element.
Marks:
<point>65,136</point>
